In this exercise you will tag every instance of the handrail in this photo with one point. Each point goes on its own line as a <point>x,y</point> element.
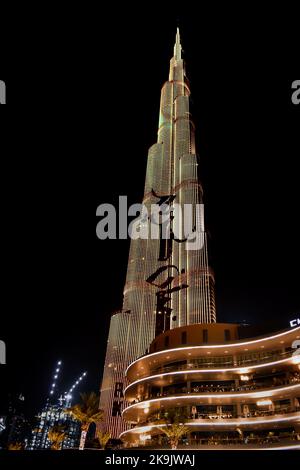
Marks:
<point>210,363</point>
<point>229,441</point>
<point>214,389</point>
<point>213,416</point>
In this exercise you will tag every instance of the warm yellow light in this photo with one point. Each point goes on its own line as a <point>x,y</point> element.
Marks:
<point>215,424</point>
<point>244,378</point>
<point>264,402</point>
<point>216,346</point>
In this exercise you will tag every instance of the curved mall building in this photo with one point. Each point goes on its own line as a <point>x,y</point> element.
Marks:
<point>227,391</point>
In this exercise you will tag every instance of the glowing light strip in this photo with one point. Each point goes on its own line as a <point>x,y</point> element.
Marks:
<point>261,394</point>
<point>213,346</point>
<point>139,430</point>
<point>76,383</point>
<point>294,446</point>
<point>55,377</point>
<point>249,422</point>
<point>200,371</point>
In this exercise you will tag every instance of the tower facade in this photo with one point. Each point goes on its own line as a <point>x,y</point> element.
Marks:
<point>169,283</point>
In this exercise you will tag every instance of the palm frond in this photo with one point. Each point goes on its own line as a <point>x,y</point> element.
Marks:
<point>103,438</point>
<point>87,411</point>
<point>56,436</point>
<point>175,431</point>
<point>15,446</point>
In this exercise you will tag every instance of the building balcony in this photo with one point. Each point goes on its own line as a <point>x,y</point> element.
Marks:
<point>135,393</point>
<point>263,353</point>
<point>214,365</point>
<point>149,405</point>
<point>280,441</point>
<point>193,381</point>
<point>279,419</point>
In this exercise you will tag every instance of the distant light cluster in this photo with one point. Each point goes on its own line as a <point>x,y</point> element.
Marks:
<point>68,395</point>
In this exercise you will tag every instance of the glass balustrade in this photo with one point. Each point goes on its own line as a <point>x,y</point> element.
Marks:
<point>216,363</point>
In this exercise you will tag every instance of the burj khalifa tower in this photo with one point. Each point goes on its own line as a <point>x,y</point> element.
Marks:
<point>169,282</point>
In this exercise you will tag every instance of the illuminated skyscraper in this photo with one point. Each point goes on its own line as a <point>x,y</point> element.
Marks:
<point>167,284</point>
<point>54,414</point>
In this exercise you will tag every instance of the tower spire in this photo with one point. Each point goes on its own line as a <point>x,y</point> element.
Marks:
<point>177,47</point>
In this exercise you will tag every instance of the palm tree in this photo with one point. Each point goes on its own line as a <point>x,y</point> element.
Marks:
<point>241,434</point>
<point>174,432</point>
<point>175,427</point>
<point>56,436</point>
<point>174,415</point>
<point>103,438</point>
<point>15,446</point>
<point>87,412</point>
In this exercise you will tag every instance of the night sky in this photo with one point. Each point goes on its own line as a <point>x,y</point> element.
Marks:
<point>86,111</point>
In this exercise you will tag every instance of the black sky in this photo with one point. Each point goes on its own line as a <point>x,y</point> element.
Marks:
<point>86,112</point>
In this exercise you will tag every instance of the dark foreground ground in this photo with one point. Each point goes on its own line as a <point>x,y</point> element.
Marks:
<point>146,459</point>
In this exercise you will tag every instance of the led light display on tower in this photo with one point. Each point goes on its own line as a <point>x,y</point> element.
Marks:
<point>167,284</point>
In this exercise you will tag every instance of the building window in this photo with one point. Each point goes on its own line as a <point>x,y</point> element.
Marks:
<point>205,336</point>
<point>227,335</point>
<point>116,409</point>
<point>167,341</point>
<point>118,389</point>
<point>183,337</point>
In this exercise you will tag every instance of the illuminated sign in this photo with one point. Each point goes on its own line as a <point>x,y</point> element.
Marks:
<point>294,323</point>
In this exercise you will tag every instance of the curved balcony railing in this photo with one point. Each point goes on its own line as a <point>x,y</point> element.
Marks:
<point>207,417</point>
<point>210,363</point>
<point>289,439</point>
<point>251,414</point>
<point>216,389</point>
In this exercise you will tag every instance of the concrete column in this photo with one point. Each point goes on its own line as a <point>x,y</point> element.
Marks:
<point>239,410</point>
